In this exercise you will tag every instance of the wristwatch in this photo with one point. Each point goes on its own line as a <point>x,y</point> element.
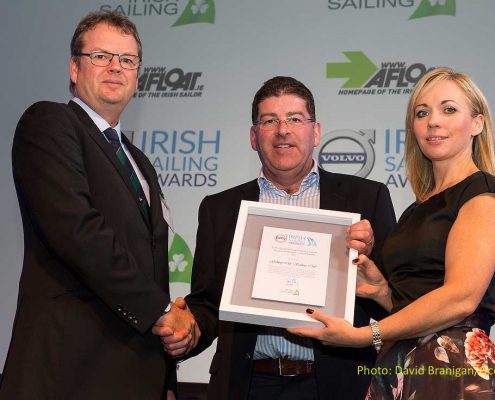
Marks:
<point>377,339</point>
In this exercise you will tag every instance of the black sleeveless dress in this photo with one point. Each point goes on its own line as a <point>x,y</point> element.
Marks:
<point>458,362</point>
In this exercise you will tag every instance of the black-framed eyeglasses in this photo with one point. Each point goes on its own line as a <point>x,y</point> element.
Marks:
<point>272,124</point>
<point>104,58</point>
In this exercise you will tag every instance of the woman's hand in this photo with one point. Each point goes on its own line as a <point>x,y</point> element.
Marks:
<point>336,332</point>
<point>370,282</point>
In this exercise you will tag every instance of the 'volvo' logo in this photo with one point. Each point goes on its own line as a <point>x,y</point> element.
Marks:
<point>348,152</point>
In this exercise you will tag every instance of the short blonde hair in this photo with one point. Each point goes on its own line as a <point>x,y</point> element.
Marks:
<point>418,167</point>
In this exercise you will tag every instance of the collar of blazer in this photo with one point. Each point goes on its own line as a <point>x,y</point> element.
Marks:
<point>95,134</point>
<point>331,197</point>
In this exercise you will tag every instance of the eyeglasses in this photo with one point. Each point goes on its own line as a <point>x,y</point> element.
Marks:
<point>273,123</point>
<point>104,58</point>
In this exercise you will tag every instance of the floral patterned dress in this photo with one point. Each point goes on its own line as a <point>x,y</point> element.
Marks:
<point>458,362</point>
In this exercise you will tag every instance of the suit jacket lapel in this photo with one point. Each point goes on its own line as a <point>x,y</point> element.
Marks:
<point>250,191</point>
<point>101,141</point>
<point>330,197</point>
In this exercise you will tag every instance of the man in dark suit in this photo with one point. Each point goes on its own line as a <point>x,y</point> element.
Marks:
<point>253,362</point>
<point>95,276</point>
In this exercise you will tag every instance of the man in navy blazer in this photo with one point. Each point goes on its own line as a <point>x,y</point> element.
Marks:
<point>95,276</point>
<point>254,362</point>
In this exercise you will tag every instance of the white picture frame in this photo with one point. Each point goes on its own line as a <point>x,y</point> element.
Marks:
<point>237,303</point>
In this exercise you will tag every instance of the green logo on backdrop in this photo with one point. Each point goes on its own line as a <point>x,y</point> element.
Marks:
<point>365,77</point>
<point>428,8</point>
<point>179,261</point>
<point>197,11</point>
<point>358,70</point>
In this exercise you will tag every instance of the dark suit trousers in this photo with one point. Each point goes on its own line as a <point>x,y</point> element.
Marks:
<point>272,387</point>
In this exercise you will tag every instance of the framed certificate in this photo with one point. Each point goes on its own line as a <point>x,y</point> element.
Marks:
<point>285,259</point>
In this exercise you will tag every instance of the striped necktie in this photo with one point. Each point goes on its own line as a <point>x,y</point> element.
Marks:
<point>113,138</point>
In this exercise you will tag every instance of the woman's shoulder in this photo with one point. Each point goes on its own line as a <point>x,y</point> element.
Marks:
<point>478,183</point>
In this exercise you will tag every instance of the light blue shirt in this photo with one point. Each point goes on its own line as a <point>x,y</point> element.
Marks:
<point>277,342</point>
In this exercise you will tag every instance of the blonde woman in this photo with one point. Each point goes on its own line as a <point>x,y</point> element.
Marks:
<point>438,264</point>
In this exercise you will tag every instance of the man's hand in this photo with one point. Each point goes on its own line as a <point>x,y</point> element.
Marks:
<point>360,237</point>
<point>177,329</point>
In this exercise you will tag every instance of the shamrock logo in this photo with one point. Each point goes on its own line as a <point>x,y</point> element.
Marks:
<point>429,8</point>
<point>197,11</point>
<point>199,6</point>
<point>177,263</point>
<point>180,260</point>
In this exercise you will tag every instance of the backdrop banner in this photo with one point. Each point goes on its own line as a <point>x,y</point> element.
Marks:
<point>203,60</point>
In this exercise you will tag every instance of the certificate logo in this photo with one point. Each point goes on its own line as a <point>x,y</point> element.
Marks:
<point>310,241</point>
<point>301,240</point>
<point>281,238</point>
<point>348,152</point>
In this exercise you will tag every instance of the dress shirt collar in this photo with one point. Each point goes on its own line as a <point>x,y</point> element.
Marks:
<point>97,119</point>
<point>310,180</point>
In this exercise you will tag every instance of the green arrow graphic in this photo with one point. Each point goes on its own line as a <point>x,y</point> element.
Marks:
<point>358,70</point>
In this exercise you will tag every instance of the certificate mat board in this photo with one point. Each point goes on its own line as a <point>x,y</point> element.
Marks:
<point>237,303</point>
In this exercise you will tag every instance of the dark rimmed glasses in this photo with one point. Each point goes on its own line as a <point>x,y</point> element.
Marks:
<point>104,58</point>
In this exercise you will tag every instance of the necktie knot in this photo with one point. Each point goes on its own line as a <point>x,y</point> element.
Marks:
<point>112,136</point>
